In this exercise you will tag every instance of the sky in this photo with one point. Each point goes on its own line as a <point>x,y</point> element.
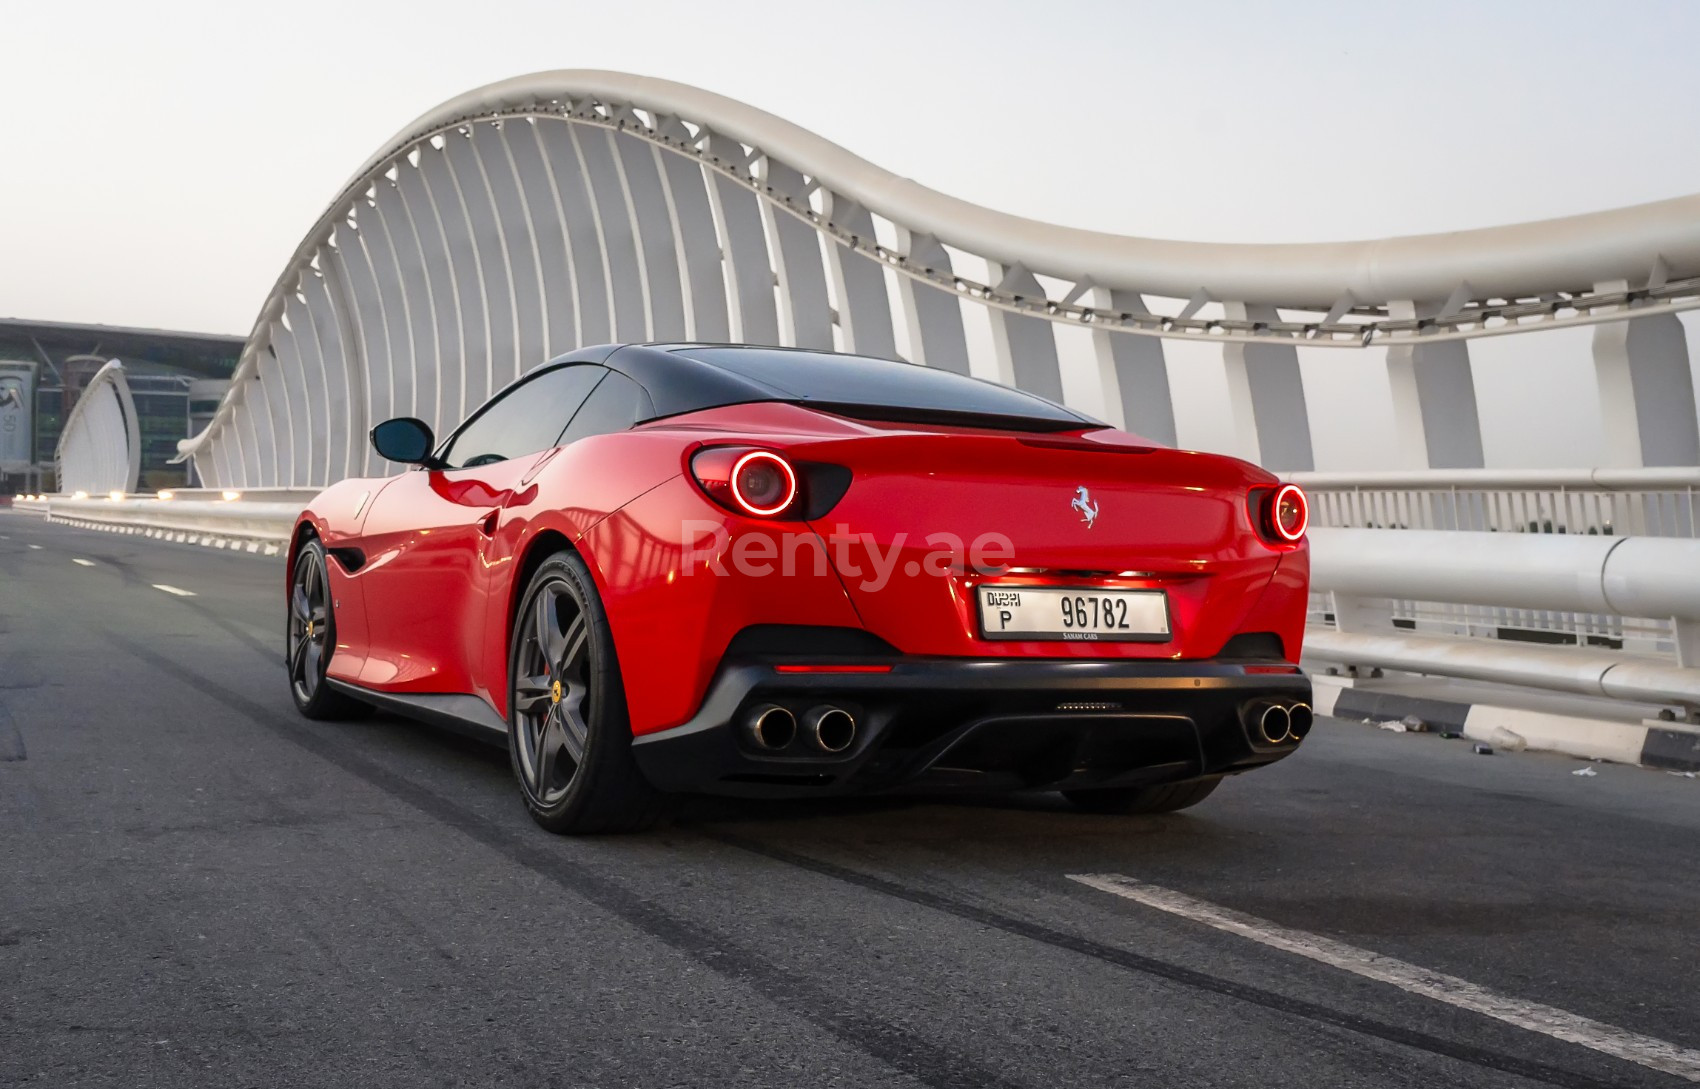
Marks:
<point>166,158</point>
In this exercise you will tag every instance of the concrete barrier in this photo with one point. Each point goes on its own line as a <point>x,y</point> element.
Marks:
<point>250,524</point>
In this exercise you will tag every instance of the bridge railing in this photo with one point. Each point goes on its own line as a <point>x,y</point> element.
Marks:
<point>1612,502</point>
<point>1657,502</point>
<point>259,519</point>
<point>1514,575</point>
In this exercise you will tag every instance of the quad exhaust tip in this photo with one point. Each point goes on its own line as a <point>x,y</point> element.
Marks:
<point>1274,725</point>
<point>1277,723</point>
<point>832,729</point>
<point>771,727</point>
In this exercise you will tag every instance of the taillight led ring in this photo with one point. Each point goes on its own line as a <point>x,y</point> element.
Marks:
<point>1290,529</point>
<point>759,460</point>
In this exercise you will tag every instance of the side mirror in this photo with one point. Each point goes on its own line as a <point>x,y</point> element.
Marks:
<point>405,439</point>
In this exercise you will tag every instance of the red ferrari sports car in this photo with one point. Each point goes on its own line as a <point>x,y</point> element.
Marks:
<point>759,571</point>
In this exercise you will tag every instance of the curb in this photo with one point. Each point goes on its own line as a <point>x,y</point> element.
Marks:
<point>1649,745</point>
<point>209,540</point>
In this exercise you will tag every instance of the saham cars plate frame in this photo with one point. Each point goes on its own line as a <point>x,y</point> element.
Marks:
<point>1073,614</point>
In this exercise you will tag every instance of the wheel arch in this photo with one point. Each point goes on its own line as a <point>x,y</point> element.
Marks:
<point>303,532</point>
<point>543,544</point>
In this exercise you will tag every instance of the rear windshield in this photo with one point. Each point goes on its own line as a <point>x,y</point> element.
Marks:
<point>882,389</point>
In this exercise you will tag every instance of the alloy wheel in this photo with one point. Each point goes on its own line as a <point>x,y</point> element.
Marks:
<point>309,626</point>
<point>552,692</point>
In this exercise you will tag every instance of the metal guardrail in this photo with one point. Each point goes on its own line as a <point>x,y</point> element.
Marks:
<point>1620,576</point>
<point>1579,671</point>
<point>264,519</point>
<point>1401,599</point>
<point>1609,502</point>
<point>1615,503</point>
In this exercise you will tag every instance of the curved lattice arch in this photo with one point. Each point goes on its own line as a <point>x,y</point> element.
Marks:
<point>568,208</point>
<point>100,446</point>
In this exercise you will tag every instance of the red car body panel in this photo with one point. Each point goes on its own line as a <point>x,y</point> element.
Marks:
<point>428,565</point>
<point>336,516</point>
<point>676,615</point>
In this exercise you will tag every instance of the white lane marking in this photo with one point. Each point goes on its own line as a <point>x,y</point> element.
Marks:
<point>1559,1024</point>
<point>36,547</point>
<point>173,590</point>
<point>80,562</point>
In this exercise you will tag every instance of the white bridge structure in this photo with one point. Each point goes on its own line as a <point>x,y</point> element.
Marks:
<point>540,214</point>
<point>100,444</point>
<point>536,215</point>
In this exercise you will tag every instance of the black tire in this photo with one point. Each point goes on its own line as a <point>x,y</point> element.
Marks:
<point>569,736</point>
<point>1157,799</point>
<point>310,640</point>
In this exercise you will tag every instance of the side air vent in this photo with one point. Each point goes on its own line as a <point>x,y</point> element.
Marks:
<point>351,559</point>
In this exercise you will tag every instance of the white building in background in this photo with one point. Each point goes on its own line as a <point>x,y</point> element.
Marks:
<point>59,358</point>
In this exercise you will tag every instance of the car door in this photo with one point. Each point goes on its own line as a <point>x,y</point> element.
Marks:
<point>427,575</point>
<point>616,404</point>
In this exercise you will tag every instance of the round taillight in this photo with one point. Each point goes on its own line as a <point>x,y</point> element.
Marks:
<point>763,483</point>
<point>1289,512</point>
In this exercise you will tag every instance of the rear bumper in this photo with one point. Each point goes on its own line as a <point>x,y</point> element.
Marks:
<point>979,724</point>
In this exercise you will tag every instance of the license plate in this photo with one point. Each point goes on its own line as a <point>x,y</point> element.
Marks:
<point>1073,613</point>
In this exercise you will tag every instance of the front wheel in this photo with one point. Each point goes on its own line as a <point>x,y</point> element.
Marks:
<point>1157,799</point>
<point>311,638</point>
<point>568,733</point>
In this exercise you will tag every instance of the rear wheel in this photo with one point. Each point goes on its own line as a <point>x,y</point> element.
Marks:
<point>311,639</point>
<point>1157,799</point>
<point>568,734</point>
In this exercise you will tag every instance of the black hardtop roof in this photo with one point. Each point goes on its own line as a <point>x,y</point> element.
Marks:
<point>687,377</point>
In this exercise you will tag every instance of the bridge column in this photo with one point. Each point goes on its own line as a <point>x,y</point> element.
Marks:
<point>1646,391</point>
<point>1025,347</point>
<point>858,282</point>
<point>1435,423</point>
<point>1133,374</point>
<point>805,316</point>
<point>933,316</point>
<point>750,279</point>
<point>1266,398</point>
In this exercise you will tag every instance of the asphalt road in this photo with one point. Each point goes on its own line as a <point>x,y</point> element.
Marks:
<point>197,887</point>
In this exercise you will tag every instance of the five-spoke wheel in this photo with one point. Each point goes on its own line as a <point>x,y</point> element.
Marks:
<point>310,637</point>
<point>551,692</point>
<point>568,733</point>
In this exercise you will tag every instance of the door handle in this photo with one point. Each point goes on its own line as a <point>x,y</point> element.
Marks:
<point>487,524</point>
